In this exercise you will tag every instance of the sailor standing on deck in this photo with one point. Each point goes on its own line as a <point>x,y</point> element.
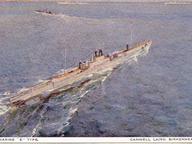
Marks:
<point>80,63</point>
<point>96,54</point>
<point>127,47</point>
<point>100,52</point>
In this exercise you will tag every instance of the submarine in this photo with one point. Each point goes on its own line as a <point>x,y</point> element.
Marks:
<point>98,64</point>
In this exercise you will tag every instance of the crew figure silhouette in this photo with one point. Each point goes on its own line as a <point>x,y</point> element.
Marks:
<point>127,46</point>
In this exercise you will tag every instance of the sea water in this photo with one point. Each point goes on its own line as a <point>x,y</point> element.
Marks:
<point>149,98</point>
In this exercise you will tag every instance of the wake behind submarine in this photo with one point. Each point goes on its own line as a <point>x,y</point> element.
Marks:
<point>79,75</point>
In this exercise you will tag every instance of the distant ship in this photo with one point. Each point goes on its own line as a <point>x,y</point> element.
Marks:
<point>45,11</point>
<point>85,71</point>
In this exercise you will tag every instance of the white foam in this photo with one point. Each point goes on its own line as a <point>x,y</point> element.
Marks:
<point>6,93</point>
<point>82,95</point>
<point>3,109</point>
<point>72,111</point>
<point>23,89</point>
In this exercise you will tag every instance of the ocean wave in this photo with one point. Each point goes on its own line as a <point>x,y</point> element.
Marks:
<point>3,109</point>
<point>51,117</point>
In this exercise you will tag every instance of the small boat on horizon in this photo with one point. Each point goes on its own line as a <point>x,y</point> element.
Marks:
<point>45,11</point>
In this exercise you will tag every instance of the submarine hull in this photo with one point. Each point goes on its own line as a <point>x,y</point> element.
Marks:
<point>76,77</point>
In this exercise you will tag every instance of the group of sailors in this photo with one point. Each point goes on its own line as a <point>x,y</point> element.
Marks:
<point>99,53</point>
<point>85,65</point>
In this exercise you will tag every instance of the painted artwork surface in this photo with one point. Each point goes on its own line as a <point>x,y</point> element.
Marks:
<point>95,68</point>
